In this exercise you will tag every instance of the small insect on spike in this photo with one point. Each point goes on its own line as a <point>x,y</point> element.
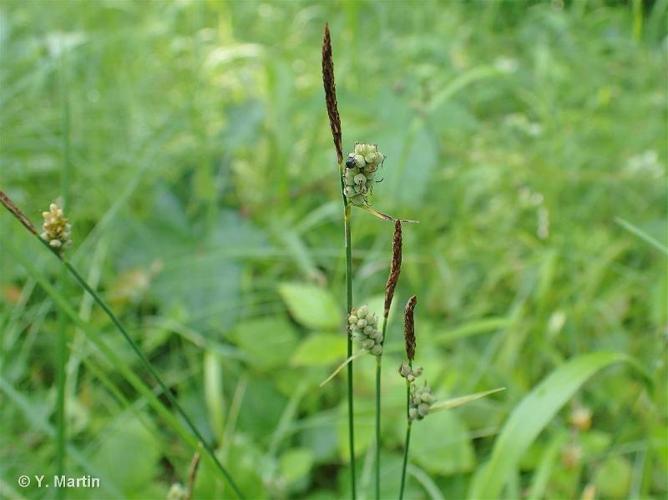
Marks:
<point>409,328</point>
<point>350,161</point>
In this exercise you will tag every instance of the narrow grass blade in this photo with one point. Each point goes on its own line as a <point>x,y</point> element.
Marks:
<point>531,416</point>
<point>460,401</point>
<point>642,235</point>
<point>342,366</point>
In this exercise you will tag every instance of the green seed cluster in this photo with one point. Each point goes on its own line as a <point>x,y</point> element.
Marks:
<point>420,402</point>
<point>409,373</point>
<point>364,328</point>
<point>56,230</point>
<point>360,172</point>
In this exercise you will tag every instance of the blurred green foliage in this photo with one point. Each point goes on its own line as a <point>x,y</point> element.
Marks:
<point>203,193</point>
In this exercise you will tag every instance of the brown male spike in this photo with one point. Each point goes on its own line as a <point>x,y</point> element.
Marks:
<point>409,328</point>
<point>330,93</point>
<point>395,267</point>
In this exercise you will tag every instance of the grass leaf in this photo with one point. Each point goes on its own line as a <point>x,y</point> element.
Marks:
<point>311,306</point>
<point>531,416</point>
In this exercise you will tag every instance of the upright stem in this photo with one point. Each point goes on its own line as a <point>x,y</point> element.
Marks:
<point>349,294</point>
<point>378,369</point>
<point>403,469</point>
<point>379,360</point>
<point>408,441</point>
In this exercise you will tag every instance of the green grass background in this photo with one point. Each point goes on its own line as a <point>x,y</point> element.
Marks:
<point>202,185</point>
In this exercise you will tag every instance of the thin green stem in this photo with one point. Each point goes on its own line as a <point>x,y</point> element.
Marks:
<point>378,399</point>
<point>349,295</point>
<point>378,370</point>
<point>209,449</point>
<point>408,442</point>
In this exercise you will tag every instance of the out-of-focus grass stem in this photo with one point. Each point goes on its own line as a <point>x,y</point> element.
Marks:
<point>61,348</point>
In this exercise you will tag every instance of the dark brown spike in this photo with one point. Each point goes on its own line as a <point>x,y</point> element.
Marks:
<point>330,93</point>
<point>395,267</point>
<point>409,328</point>
<point>16,212</point>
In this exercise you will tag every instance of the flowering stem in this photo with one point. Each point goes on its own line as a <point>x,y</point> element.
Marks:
<point>349,307</point>
<point>378,369</point>
<point>408,442</point>
<point>378,384</point>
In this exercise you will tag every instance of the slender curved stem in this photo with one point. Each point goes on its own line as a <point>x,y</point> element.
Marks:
<point>209,449</point>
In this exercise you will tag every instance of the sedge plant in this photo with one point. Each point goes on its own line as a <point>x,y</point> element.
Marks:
<point>357,178</point>
<point>56,237</point>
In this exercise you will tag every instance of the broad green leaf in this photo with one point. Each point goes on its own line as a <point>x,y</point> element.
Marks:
<point>531,416</point>
<point>127,437</point>
<point>613,478</point>
<point>320,349</point>
<point>268,342</point>
<point>295,464</point>
<point>440,444</point>
<point>311,306</point>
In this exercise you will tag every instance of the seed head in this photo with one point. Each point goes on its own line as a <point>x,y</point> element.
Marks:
<point>56,229</point>
<point>420,402</point>
<point>359,175</point>
<point>364,329</point>
<point>408,372</point>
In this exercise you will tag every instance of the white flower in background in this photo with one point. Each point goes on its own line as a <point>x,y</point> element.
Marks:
<point>645,164</point>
